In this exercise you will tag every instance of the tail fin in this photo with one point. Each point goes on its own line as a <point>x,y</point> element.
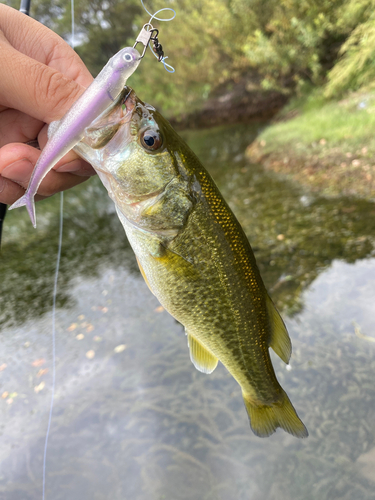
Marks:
<point>264,420</point>
<point>29,202</point>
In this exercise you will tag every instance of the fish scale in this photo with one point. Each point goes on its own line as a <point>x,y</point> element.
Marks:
<point>224,285</point>
<point>196,259</point>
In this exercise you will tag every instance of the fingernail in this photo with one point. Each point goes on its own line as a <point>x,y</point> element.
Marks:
<point>79,167</point>
<point>19,171</point>
<point>72,166</point>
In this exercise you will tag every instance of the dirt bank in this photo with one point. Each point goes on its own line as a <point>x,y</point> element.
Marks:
<point>238,102</point>
<point>333,173</point>
<point>329,148</point>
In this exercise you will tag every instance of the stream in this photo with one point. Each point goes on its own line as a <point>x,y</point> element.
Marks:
<point>133,419</point>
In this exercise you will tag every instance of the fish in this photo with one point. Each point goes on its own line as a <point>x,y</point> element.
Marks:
<point>64,134</point>
<point>193,255</point>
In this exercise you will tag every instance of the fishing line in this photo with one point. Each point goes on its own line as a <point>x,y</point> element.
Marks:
<point>57,269</point>
<point>153,16</point>
<point>72,43</point>
<point>58,259</point>
<point>53,338</point>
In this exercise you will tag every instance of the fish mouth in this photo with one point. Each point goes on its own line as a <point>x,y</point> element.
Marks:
<point>128,100</point>
<point>133,106</point>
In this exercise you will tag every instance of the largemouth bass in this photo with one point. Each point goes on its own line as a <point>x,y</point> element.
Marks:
<point>193,254</point>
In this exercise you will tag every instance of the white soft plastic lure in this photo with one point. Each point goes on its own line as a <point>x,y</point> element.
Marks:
<point>67,132</point>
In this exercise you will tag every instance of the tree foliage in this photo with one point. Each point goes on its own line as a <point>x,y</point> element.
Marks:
<point>290,40</point>
<point>356,66</point>
<point>275,44</point>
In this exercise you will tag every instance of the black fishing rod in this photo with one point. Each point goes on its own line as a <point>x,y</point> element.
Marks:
<point>3,211</point>
<point>25,9</point>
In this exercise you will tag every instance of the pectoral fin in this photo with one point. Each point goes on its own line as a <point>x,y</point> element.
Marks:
<point>280,341</point>
<point>201,358</point>
<point>143,274</point>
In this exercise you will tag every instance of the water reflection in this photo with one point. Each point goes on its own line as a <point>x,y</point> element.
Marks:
<point>143,423</point>
<point>294,234</point>
<point>92,236</point>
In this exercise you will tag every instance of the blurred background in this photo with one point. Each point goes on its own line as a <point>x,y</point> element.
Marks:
<point>288,47</point>
<point>277,100</point>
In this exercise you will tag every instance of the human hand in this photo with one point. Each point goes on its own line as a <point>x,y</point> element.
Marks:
<point>41,77</point>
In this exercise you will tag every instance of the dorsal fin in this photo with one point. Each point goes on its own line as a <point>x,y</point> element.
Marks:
<point>280,341</point>
<point>201,358</point>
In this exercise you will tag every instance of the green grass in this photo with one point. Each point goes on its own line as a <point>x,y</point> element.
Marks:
<point>324,144</point>
<point>343,123</point>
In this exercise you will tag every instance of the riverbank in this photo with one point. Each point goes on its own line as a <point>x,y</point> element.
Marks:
<point>243,101</point>
<point>326,146</point>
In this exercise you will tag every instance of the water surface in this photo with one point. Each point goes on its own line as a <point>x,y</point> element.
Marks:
<point>133,419</point>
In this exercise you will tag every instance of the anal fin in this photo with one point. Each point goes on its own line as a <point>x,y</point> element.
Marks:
<point>201,358</point>
<point>280,340</point>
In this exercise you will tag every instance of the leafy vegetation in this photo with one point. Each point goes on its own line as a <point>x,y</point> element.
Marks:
<point>356,68</point>
<point>277,44</point>
<point>274,44</point>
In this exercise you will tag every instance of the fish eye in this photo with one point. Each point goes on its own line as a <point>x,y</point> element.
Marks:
<point>127,57</point>
<point>151,139</point>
